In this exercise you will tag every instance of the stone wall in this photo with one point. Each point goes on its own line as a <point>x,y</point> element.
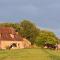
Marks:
<point>4,44</point>
<point>20,44</point>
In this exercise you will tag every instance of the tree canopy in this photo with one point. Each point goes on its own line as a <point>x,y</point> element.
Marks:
<point>46,37</point>
<point>29,30</point>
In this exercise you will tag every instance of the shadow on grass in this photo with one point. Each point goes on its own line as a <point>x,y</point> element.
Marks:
<point>51,55</point>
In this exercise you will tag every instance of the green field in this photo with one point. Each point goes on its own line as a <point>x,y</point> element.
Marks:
<point>30,54</point>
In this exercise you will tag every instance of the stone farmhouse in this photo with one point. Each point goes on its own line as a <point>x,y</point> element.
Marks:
<point>10,38</point>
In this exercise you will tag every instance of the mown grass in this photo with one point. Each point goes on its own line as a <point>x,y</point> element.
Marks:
<point>30,54</point>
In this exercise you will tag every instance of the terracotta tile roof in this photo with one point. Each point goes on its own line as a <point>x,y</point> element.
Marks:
<point>5,34</point>
<point>7,30</point>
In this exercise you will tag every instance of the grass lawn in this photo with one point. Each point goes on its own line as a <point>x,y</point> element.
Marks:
<point>30,54</point>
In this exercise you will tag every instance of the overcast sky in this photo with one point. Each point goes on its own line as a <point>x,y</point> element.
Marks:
<point>44,13</point>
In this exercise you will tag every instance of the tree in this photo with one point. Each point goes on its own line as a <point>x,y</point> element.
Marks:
<point>46,37</point>
<point>29,31</point>
<point>16,26</point>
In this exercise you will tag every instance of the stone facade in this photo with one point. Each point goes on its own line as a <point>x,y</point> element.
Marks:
<point>19,44</point>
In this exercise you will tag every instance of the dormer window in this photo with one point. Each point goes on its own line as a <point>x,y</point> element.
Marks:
<point>12,36</point>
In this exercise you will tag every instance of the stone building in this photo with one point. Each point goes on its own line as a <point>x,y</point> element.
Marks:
<point>10,38</point>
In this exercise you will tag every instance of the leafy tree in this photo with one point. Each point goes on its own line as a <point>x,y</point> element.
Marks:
<point>29,30</point>
<point>46,37</point>
<point>14,25</point>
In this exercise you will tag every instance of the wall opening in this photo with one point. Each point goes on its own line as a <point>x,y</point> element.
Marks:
<point>13,45</point>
